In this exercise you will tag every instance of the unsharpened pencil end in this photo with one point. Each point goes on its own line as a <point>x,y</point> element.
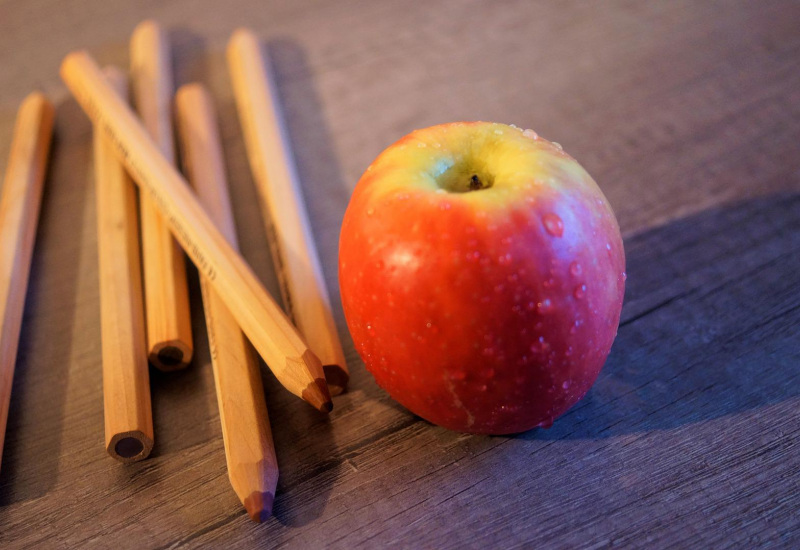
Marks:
<point>170,356</point>
<point>259,506</point>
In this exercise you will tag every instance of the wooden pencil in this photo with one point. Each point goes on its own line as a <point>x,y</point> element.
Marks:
<point>249,450</point>
<point>261,319</point>
<point>126,380</point>
<point>305,294</point>
<point>19,213</point>
<point>169,324</point>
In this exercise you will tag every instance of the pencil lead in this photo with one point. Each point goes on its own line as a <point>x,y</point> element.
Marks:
<point>259,506</point>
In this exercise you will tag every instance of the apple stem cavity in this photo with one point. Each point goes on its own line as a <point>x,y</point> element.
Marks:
<point>475,183</point>
<point>462,179</point>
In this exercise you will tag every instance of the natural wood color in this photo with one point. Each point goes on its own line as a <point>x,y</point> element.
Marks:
<point>249,450</point>
<point>19,213</point>
<point>126,379</point>
<point>169,328</point>
<point>272,162</point>
<point>261,319</point>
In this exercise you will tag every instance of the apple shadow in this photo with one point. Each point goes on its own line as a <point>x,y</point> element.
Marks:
<point>710,325</point>
<point>35,425</point>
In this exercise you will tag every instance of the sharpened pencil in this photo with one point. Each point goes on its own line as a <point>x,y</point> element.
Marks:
<point>269,150</point>
<point>249,450</point>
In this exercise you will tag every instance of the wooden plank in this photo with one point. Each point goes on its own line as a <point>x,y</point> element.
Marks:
<point>684,112</point>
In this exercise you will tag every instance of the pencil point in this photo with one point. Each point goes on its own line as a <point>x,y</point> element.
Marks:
<point>259,506</point>
<point>317,394</point>
<point>336,377</point>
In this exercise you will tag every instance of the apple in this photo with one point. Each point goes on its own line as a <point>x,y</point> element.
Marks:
<point>481,271</point>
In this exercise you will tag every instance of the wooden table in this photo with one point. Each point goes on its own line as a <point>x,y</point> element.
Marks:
<point>686,113</point>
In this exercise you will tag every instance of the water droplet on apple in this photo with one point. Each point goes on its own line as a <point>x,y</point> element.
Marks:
<point>473,256</point>
<point>483,388</point>
<point>575,269</point>
<point>553,224</point>
<point>557,146</point>
<point>531,306</point>
<point>504,259</point>
<point>545,305</point>
<point>437,145</point>
<point>499,132</point>
<point>608,246</point>
<point>422,145</point>
<point>580,292</point>
<point>488,351</point>
<point>546,424</point>
<point>370,211</point>
<point>568,352</point>
<point>565,385</point>
<point>549,283</point>
<point>444,205</point>
<point>530,134</point>
<point>624,276</point>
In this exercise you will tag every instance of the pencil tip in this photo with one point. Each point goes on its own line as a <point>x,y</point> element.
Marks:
<point>259,506</point>
<point>317,394</point>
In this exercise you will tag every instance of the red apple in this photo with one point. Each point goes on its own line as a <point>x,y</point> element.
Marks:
<point>482,275</point>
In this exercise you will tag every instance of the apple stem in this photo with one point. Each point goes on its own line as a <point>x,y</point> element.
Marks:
<point>475,183</point>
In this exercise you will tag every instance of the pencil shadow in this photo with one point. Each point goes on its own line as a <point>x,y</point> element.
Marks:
<point>710,325</point>
<point>44,358</point>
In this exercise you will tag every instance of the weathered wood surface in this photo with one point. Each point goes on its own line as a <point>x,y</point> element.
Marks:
<point>686,114</point>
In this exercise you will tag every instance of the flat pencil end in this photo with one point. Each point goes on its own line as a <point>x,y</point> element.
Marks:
<point>131,446</point>
<point>336,377</point>
<point>259,506</point>
<point>170,356</point>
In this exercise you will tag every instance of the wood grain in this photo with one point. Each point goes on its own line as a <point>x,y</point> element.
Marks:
<point>126,381</point>
<point>19,212</point>
<point>249,449</point>
<point>294,252</point>
<point>169,327</point>
<point>685,114</point>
